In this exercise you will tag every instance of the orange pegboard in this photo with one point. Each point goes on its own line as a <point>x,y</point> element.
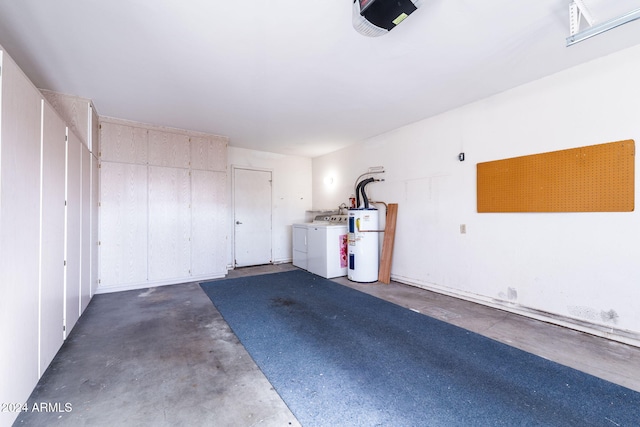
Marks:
<point>597,178</point>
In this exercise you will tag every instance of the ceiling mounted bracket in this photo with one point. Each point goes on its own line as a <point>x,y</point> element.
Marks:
<point>577,11</point>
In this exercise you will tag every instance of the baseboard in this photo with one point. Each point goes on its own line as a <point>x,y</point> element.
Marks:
<point>145,285</point>
<point>614,334</point>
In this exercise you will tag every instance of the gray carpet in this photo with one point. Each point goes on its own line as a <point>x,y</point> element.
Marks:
<point>341,357</point>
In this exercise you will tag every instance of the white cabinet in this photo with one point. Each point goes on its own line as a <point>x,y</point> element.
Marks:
<point>81,120</point>
<point>163,206</point>
<point>125,144</point>
<point>73,231</point>
<point>95,223</point>
<point>79,115</point>
<point>20,121</point>
<point>208,153</point>
<point>123,224</point>
<point>169,223</point>
<point>208,222</point>
<point>300,245</point>
<point>169,149</point>
<point>53,227</point>
<point>38,234</point>
<point>85,229</point>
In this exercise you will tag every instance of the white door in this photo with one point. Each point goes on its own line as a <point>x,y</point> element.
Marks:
<point>252,217</point>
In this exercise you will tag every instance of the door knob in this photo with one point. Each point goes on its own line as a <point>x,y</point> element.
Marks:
<point>238,222</point>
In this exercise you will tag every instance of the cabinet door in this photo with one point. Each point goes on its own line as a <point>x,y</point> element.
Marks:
<point>208,153</point>
<point>169,223</point>
<point>85,231</point>
<point>19,234</point>
<point>73,231</point>
<point>120,143</point>
<point>95,223</point>
<point>208,223</point>
<point>74,111</point>
<point>94,131</point>
<point>168,149</point>
<point>123,224</point>
<point>52,247</point>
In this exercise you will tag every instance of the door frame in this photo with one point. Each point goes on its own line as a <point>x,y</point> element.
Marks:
<point>233,209</point>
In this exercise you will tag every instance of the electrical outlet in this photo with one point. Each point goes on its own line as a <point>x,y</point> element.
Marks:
<point>463,228</point>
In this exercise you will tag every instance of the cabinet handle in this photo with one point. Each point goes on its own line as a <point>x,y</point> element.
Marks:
<point>238,222</point>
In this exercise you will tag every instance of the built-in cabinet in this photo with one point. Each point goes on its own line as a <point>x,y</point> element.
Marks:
<point>163,205</point>
<point>73,232</point>
<point>46,192</point>
<point>53,235</point>
<point>81,118</point>
<point>156,196</point>
<point>19,234</point>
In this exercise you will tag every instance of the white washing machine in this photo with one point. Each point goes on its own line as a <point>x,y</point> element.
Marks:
<point>324,243</point>
<point>327,250</point>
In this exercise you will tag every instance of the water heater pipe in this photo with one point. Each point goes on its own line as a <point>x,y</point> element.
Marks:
<point>363,184</point>
<point>370,172</point>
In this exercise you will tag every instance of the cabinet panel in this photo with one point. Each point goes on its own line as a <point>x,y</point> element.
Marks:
<point>121,143</point>
<point>186,205</point>
<point>74,111</point>
<point>95,223</point>
<point>208,222</point>
<point>19,233</point>
<point>123,224</point>
<point>52,246</point>
<point>168,149</point>
<point>73,231</point>
<point>169,223</point>
<point>85,231</point>
<point>208,153</point>
<point>94,131</point>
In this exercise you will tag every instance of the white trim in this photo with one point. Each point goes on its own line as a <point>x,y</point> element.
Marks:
<point>623,336</point>
<point>146,285</point>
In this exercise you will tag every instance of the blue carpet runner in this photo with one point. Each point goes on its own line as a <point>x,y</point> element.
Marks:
<point>339,357</point>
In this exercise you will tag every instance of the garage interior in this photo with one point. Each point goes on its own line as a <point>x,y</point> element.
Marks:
<point>141,142</point>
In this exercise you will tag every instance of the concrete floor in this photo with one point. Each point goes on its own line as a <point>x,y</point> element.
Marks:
<point>165,357</point>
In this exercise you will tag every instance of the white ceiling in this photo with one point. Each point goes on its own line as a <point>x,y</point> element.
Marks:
<point>291,76</point>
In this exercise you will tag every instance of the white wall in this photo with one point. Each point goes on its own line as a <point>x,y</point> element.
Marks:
<point>579,269</point>
<point>291,194</point>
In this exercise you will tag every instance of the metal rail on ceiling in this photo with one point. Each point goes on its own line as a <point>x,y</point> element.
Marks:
<point>578,10</point>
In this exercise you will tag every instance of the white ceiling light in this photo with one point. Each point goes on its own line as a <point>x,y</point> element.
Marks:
<point>373,18</point>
